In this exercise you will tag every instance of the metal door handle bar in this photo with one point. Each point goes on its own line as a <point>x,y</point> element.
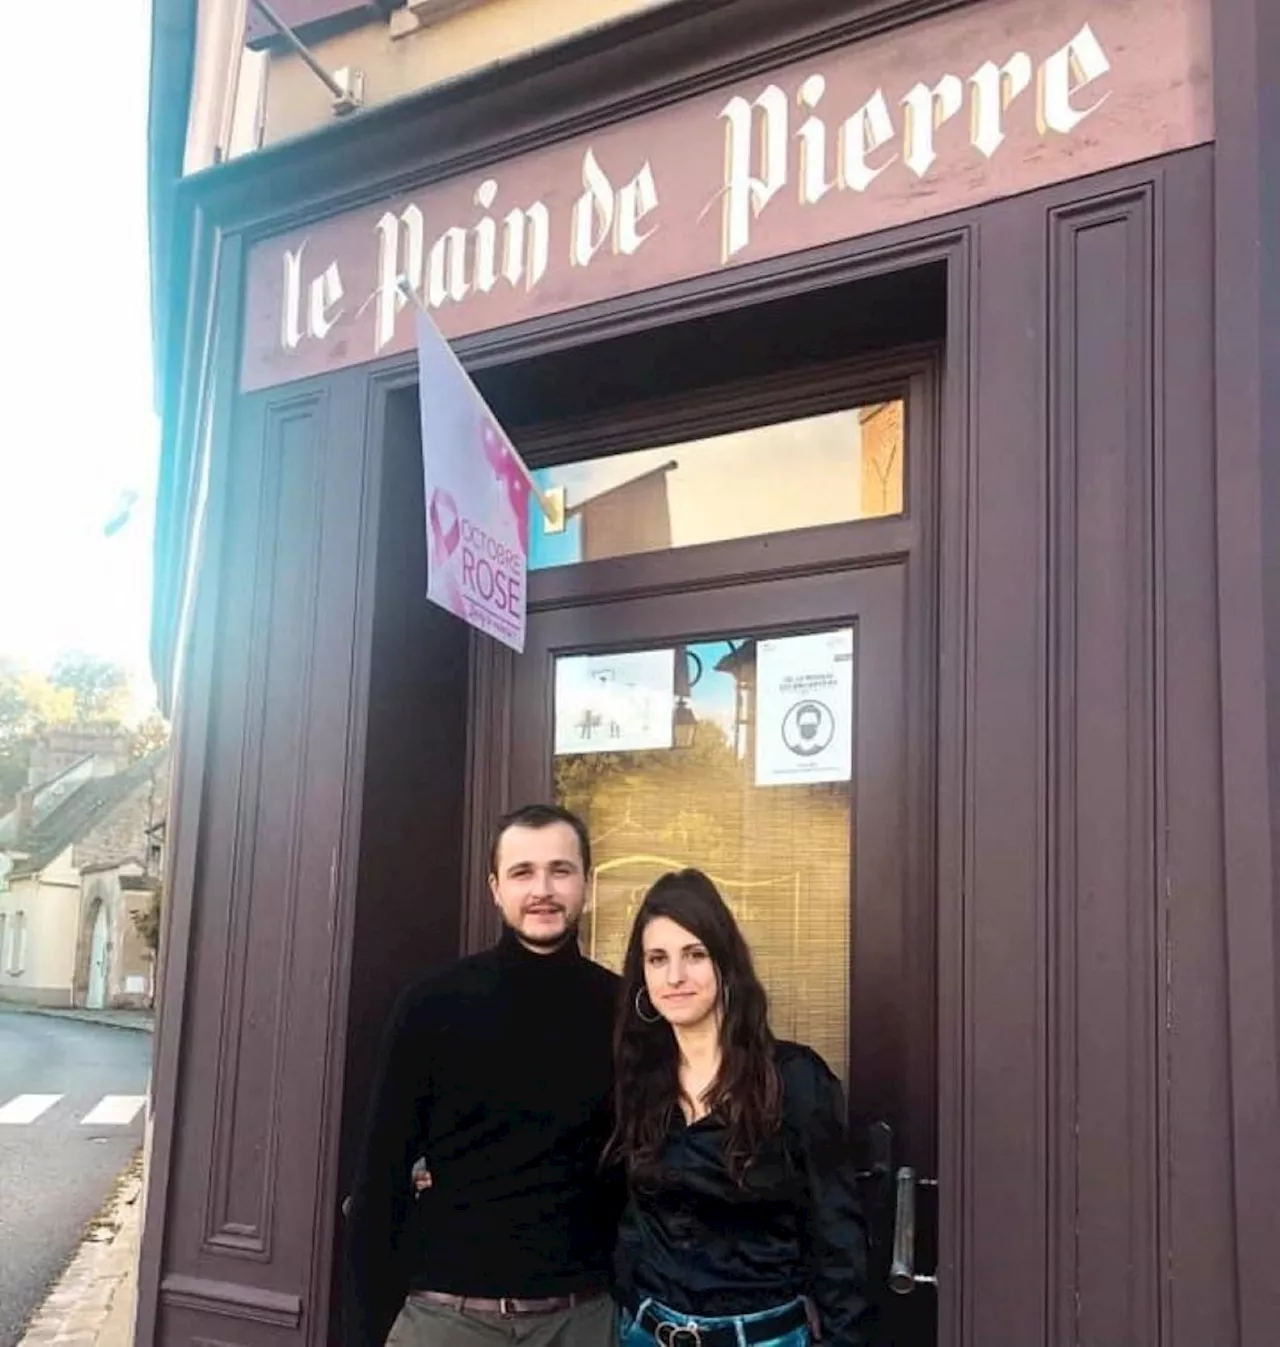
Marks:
<point>903,1278</point>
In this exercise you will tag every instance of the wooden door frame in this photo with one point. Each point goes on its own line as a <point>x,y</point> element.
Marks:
<point>912,542</point>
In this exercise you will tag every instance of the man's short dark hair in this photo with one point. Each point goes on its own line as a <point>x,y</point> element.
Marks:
<point>540,816</point>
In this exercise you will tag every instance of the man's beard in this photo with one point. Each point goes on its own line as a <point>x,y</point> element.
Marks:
<point>569,933</point>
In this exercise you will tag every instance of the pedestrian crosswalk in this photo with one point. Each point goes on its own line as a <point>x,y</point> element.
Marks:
<point>112,1110</point>
<point>26,1108</point>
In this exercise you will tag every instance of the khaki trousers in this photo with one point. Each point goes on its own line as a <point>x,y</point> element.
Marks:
<point>423,1324</point>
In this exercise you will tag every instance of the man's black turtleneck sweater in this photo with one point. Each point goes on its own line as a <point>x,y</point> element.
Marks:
<point>498,1072</point>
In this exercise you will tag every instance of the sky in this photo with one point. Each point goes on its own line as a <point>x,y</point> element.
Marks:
<point>77,426</point>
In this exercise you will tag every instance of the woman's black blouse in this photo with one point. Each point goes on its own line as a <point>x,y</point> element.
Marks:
<point>699,1242</point>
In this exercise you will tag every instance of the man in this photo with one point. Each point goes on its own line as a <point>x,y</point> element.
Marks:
<point>496,1074</point>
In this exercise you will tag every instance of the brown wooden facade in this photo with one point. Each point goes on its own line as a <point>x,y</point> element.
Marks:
<point>1078,702</point>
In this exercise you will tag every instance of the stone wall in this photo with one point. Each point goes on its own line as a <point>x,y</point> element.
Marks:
<point>63,746</point>
<point>123,835</point>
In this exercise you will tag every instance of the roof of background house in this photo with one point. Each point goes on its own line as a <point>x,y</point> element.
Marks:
<point>139,884</point>
<point>101,867</point>
<point>78,813</point>
<point>46,798</point>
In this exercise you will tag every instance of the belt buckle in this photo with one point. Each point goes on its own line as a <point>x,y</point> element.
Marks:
<point>678,1335</point>
<point>506,1307</point>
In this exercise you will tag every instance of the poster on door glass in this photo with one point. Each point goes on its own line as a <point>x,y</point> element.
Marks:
<point>614,703</point>
<point>804,709</point>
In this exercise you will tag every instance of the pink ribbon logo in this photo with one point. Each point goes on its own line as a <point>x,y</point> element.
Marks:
<point>446,529</point>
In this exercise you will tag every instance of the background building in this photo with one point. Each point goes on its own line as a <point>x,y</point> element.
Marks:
<point>80,859</point>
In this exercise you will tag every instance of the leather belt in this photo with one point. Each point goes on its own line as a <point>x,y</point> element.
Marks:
<point>668,1333</point>
<point>506,1306</point>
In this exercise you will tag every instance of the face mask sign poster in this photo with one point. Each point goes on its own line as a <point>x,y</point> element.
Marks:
<point>804,709</point>
<point>477,491</point>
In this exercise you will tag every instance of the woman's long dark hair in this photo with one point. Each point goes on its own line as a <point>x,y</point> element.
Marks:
<point>747,1091</point>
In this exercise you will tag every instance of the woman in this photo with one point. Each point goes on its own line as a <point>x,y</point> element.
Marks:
<point>741,1197</point>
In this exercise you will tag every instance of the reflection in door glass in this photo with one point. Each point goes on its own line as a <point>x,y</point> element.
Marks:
<point>829,469</point>
<point>735,756</point>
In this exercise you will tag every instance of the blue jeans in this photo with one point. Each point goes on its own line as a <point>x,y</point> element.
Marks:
<point>630,1334</point>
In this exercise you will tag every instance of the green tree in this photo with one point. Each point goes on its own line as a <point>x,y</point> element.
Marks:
<point>148,736</point>
<point>15,732</point>
<point>28,702</point>
<point>99,686</point>
<point>82,689</point>
<point>147,921</point>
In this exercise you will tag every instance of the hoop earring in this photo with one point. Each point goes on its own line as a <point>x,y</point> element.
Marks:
<point>724,997</point>
<point>648,1019</point>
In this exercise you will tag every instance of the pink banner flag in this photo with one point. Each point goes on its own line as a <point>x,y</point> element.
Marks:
<point>477,497</point>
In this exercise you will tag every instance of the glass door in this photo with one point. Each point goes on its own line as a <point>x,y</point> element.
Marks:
<point>759,731</point>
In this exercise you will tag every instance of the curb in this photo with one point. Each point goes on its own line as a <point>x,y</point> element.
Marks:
<point>138,1024</point>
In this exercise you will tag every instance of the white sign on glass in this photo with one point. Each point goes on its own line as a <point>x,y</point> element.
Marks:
<point>614,703</point>
<point>804,709</point>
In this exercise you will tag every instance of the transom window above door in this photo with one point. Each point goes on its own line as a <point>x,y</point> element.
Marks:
<point>834,468</point>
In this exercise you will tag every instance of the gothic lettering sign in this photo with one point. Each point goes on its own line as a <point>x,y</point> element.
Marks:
<point>980,103</point>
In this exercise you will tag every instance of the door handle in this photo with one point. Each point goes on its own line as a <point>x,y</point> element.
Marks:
<point>903,1277</point>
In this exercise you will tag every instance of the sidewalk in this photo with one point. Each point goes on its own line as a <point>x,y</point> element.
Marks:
<point>143,1021</point>
<point>91,1305</point>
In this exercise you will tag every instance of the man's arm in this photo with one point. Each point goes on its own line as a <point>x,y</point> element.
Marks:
<point>374,1275</point>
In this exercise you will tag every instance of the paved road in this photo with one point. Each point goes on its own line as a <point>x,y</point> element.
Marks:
<point>71,1116</point>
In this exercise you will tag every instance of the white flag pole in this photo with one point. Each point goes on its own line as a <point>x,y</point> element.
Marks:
<point>550,503</point>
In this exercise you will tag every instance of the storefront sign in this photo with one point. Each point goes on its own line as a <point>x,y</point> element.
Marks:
<point>979,103</point>
<point>804,709</point>
<point>615,703</point>
<point>477,499</point>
